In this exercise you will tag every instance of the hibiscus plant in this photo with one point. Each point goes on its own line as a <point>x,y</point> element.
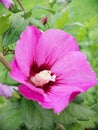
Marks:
<point>48,80</point>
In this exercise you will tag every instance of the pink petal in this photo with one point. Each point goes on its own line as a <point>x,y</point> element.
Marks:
<point>16,73</point>
<point>74,69</point>
<point>25,49</point>
<point>53,45</point>
<point>59,97</point>
<point>25,89</point>
<point>31,94</point>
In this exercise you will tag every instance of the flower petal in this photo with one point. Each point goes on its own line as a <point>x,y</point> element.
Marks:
<point>31,94</point>
<point>16,73</point>
<point>54,44</point>
<point>25,48</point>
<point>59,97</point>
<point>5,91</point>
<point>74,69</point>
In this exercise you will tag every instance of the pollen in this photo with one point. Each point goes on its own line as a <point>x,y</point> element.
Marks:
<point>42,78</point>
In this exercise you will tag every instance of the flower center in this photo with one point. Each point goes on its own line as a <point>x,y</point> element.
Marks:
<point>42,78</point>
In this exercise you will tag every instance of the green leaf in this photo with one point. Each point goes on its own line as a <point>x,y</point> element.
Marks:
<point>6,79</point>
<point>4,24</point>
<point>77,24</point>
<point>90,23</point>
<point>38,23</point>
<point>77,116</point>
<point>63,2</point>
<point>81,34</point>
<point>4,74</point>
<point>79,99</point>
<point>75,126</point>
<point>10,116</point>
<point>18,24</point>
<point>2,100</point>
<point>27,14</point>
<point>51,3</point>
<point>35,117</point>
<point>65,118</point>
<point>62,20</point>
<point>45,8</point>
<point>80,112</point>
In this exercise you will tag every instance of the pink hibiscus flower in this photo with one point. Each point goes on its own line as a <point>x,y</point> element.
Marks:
<point>50,68</point>
<point>7,3</point>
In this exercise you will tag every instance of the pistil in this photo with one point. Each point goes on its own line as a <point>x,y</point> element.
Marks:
<point>42,78</point>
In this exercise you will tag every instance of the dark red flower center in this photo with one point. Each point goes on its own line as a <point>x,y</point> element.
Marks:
<point>42,77</point>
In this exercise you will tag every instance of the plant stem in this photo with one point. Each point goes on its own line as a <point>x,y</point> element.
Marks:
<point>19,2</point>
<point>4,62</point>
<point>60,126</point>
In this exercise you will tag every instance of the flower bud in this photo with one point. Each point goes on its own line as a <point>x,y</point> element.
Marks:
<point>44,20</point>
<point>5,91</point>
<point>7,3</point>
